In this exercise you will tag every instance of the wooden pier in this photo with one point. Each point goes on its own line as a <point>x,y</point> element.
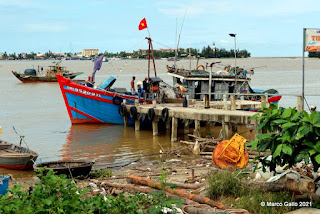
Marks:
<point>228,113</point>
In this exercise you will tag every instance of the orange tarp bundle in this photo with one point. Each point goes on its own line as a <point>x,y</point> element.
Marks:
<point>231,153</point>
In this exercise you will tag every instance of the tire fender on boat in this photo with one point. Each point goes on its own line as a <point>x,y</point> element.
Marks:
<point>151,114</point>
<point>133,113</point>
<point>197,68</point>
<point>117,100</point>
<point>122,110</point>
<point>165,114</point>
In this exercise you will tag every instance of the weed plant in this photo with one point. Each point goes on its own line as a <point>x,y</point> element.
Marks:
<point>57,194</point>
<point>227,187</point>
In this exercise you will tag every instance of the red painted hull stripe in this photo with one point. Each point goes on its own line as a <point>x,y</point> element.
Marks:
<point>21,167</point>
<point>67,82</point>
<point>80,112</point>
<point>87,96</point>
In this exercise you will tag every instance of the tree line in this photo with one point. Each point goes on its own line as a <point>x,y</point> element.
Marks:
<point>206,52</point>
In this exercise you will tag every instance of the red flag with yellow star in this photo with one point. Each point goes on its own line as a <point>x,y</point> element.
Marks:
<point>143,24</point>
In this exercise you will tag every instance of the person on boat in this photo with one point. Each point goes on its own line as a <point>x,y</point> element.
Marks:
<point>145,88</point>
<point>133,90</point>
<point>139,89</point>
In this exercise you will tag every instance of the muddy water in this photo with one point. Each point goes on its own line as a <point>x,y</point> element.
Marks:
<point>37,110</point>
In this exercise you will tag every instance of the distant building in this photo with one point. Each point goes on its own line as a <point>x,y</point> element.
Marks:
<point>89,52</point>
<point>166,50</point>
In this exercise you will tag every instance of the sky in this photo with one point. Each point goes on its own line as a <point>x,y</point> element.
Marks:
<point>270,28</point>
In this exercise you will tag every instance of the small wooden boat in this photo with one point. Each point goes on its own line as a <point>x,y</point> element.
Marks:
<point>16,157</point>
<point>43,74</point>
<point>73,168</point>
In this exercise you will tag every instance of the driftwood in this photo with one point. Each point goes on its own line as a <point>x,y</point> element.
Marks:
<point>147,190</point>
<point>199,210</point>
<point>178,192</point>
<point>303,186</point>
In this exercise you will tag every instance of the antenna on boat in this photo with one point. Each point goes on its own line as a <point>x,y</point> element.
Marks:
<point>21,137</point>
<point>175,57</point>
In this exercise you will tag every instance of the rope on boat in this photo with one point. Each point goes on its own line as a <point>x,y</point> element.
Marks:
<point>22,139</point>
<point>307,103</point>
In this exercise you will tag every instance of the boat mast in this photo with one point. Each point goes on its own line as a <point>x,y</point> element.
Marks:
<point>176,54</point>
<point>149,56</point>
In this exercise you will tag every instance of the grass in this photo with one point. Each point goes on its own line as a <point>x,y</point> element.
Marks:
<point>227,187</point>
<point>100,173</point>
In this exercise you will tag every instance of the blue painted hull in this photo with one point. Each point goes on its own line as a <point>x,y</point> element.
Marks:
<point>89,105</point>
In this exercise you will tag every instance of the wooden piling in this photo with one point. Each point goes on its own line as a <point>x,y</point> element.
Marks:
<point>137,125</point>
<point>264,101</point>
<point>125,120</point>
<point>233,102</point>
<point>137,121</point>
<point>225,130</point>
<point>196,131</point>
<point>174,130</point>
<point>299,103</point>
<point>186,126</point>
<point>168,125</point>
<point>208,129</point>
<point>155,126</point>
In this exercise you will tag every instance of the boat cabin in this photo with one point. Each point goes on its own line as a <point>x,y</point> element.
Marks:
<point>195,83</point>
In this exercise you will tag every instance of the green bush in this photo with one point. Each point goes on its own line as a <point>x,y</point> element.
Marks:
<point>56,194</point>
<point>290,135</point>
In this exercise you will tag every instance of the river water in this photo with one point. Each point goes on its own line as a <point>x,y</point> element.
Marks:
<point>37,110</point>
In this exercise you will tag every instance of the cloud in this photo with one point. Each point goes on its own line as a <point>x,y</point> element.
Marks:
<point>45,27</point>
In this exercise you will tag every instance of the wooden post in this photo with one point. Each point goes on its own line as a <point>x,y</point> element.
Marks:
<point>174,130</point>
<point>186,126</point>
<point>154,103</point>
<point>233,102</point>
<point>137,125</point>
<point>168,125</point>
<point>206,101</point>
<point>196,131</point>
<point>155,126</point>
<point>224,98</point>
<point>225,130</point>
<point>137,121</point>
<point>299,103</point>
<point>264,101</point>
<point>208,129</point>
<point>125,120</point>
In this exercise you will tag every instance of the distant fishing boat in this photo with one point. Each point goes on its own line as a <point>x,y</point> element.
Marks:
<point>71,168</point>
<point>172,59</point>
<point>44,74</point>
<point>16,157</point>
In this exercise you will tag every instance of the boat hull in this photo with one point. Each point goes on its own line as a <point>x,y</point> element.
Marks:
<point>30,79</point>
<point>88,105</point>
<point>69,168</point>
<point>21,163</point>
<point>16,157</point>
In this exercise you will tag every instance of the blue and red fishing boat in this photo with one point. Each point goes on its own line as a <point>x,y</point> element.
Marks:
<point>92,105</point>
<point>87,103</point>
